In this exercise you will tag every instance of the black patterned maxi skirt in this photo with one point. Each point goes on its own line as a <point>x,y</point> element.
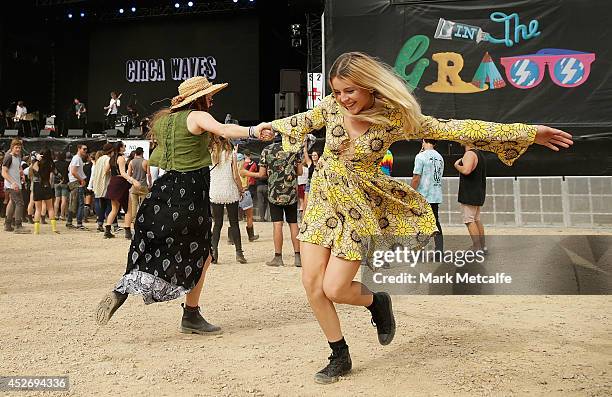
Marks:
<point>171,240</point>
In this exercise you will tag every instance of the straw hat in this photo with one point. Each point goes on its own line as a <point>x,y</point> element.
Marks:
<point>193,88</point>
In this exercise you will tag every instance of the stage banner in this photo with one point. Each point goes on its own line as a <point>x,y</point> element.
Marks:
<point>536,61</point>
<point>145,61</point>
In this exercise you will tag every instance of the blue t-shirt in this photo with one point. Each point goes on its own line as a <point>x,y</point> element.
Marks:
<point>429,164</point>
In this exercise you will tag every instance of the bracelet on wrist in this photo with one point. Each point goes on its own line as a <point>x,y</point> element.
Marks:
<point>252,132</point>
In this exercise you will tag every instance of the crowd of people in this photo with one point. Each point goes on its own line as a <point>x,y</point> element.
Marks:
<point>65,187</point>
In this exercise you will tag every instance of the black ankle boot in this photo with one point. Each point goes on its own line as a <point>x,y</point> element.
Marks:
<point>107,232</point>
<point>382,317</point>
<point>251,233</point>
<point>194,323</point>
<point>240,257</point>
<point>109,305</point>
<point>128,233</point>
<point>339,364</point>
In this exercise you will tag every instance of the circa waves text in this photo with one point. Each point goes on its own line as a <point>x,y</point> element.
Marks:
<point>145,70</point>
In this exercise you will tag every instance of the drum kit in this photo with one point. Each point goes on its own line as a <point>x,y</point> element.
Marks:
<point>30,118</point>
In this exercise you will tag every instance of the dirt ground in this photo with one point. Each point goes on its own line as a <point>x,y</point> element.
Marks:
<point>271,344</point>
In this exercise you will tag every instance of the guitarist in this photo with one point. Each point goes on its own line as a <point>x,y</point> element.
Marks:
<point>81,113</point>
<point>111,109</point>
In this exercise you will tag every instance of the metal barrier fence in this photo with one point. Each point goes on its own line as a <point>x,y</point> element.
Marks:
<point>577,201</point>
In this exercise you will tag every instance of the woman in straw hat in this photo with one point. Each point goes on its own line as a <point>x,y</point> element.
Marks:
<point>171,248</point>
<point>351,200</point>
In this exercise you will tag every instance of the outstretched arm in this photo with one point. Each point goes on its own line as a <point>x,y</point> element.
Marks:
<point>508,141</point>
<point>199,122</point>
<point>294,128</point>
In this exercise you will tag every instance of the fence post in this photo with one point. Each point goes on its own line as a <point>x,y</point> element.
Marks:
<point>565,202</point>
<point>518,219</point>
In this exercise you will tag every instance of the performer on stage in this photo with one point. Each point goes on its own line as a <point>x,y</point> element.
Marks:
<point>20,113</point>
<point>170,251</point>
<point>80,112</point>
<point>350,197</point>
<point>112,110</point>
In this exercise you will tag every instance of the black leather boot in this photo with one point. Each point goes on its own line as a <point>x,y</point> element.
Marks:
<point>194,323</point>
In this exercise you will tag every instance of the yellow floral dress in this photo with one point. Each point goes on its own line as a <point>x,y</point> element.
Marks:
<point>351,199</point>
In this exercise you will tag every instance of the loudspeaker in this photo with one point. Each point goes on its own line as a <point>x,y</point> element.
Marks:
<point>11,132</point>
<point>45,133</point>
<point>290,80</point>
<point>75,133</point>
<point>286,105</point>
<point>111,132</point>
<point>135,132</point>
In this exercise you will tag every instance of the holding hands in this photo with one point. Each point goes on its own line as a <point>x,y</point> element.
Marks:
<point>264,132</point>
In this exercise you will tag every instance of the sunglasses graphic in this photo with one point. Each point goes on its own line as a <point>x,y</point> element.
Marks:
<point>566,68</point>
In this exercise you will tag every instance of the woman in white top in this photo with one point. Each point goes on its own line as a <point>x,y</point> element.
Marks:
<point>225,191</point>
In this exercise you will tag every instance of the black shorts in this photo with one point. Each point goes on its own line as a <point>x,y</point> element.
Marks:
<point>279,213</point>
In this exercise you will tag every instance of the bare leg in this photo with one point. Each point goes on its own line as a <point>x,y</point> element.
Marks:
<point>64,207</point>
<point>192,299</point>
<point>38,211</point>
<point>474,234</point>
<point>481,233</point>
<point>338,284</point>
<point>278,237</point>
<point>113,214</point>
<point>249,217</point>
<point>293,227</point>
<point>50,209</point>
<point>314,263</point>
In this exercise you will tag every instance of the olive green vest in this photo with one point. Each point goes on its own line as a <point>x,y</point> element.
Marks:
<point>177,148</point>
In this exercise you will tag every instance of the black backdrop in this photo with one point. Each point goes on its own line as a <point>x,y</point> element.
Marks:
<point>565,24</point>
<point>232,40</point>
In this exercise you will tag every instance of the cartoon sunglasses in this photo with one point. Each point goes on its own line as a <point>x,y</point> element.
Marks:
<point>566,68</point>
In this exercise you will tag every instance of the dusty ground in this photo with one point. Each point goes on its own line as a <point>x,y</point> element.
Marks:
<point>271,344</point>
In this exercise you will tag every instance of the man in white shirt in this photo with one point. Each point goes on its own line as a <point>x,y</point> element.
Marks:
<point>112,109</point>
<point>76,185</point>
<point>20,113</point>
<point>13,178</point>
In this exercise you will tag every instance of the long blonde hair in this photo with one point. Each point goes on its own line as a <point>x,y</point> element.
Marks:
<point>387,87</point>
<point>217,145</point>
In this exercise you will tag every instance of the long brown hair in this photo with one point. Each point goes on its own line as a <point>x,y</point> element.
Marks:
<point>198,104</point>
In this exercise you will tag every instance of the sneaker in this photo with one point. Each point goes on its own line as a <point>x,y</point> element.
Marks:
<point>297,262</point>
<point>383,319</point>
<point>80,227</point>
<point>100,228</point>
<point>108,306</point>
<point>277,261</point>
<point>193,322</point>
<point>117,229</point>
<point>69,225</point>
<point>339,365</point>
